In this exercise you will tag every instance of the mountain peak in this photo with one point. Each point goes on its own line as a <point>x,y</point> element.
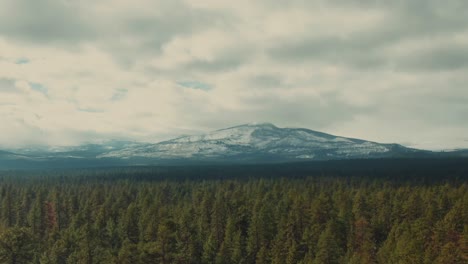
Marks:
<point>260,124</point>
<point>252,125</point>
<point>259,142</point>
<point>251,142</point>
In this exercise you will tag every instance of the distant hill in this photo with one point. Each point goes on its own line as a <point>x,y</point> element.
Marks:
<point>249,143</point>
<point>262,142</point>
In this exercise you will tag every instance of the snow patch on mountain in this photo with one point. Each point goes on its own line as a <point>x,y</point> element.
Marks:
<point>255,140</point>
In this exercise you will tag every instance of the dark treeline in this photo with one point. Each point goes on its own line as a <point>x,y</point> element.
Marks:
<point>296,213</point>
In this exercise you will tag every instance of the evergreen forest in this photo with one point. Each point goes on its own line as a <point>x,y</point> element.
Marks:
<point>234,214</point>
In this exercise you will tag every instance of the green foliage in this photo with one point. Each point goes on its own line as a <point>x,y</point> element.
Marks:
<point>136,217</point>
<point>328,249</point>
<point>17,245</point>
<point>128,253</point>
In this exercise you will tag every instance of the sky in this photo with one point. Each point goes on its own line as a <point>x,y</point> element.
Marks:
<point>148,70</point>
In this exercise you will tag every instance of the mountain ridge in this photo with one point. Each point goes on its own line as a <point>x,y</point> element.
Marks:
<point>259,139</point>
<point>247,143</point>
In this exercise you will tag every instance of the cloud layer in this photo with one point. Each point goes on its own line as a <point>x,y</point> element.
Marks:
<point>77,71</point>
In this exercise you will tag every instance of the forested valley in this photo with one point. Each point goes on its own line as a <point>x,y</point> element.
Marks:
<point>193,215</point>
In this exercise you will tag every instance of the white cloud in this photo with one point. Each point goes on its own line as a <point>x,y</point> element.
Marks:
<point>113,69</point>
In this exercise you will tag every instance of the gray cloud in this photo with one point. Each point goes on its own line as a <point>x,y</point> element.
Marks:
<point>119,94</point>
<point>44,21</point>
<point>266,81</point>
<point>220,64</point>
<point>354,52</point>
<point>90,110</point>
<point>7,85</point>
<point>450,57</point>
<point>404,21</point>
<point>150,33</point>
<point>403,64</point>
<point>315,112</point>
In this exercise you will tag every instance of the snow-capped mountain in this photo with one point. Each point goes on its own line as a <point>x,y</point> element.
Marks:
<point>250,143</point>
<point>262,142</point>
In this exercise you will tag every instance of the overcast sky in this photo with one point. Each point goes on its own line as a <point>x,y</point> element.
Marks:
<point>90,70</point>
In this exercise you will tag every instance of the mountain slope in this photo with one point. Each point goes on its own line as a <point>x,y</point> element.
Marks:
<point>250,143</point>
<point>86,151</point>
<point>260,142</point>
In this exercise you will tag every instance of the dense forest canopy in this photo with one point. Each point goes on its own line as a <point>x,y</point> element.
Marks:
<point>336,212</point>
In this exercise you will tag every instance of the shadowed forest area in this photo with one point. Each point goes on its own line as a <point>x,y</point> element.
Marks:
<point>329,212</point>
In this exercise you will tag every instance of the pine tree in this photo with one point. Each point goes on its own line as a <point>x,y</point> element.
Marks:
<point>328,249</point>
<point>363,250</point>
<point>128,253</point>
<point>7,209</point>
<point>166,243</point>
<point>36,217</point>
<point>17,245</point>
<point>209,250</point>
<point>238,251</point>
<point>131,223</point>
